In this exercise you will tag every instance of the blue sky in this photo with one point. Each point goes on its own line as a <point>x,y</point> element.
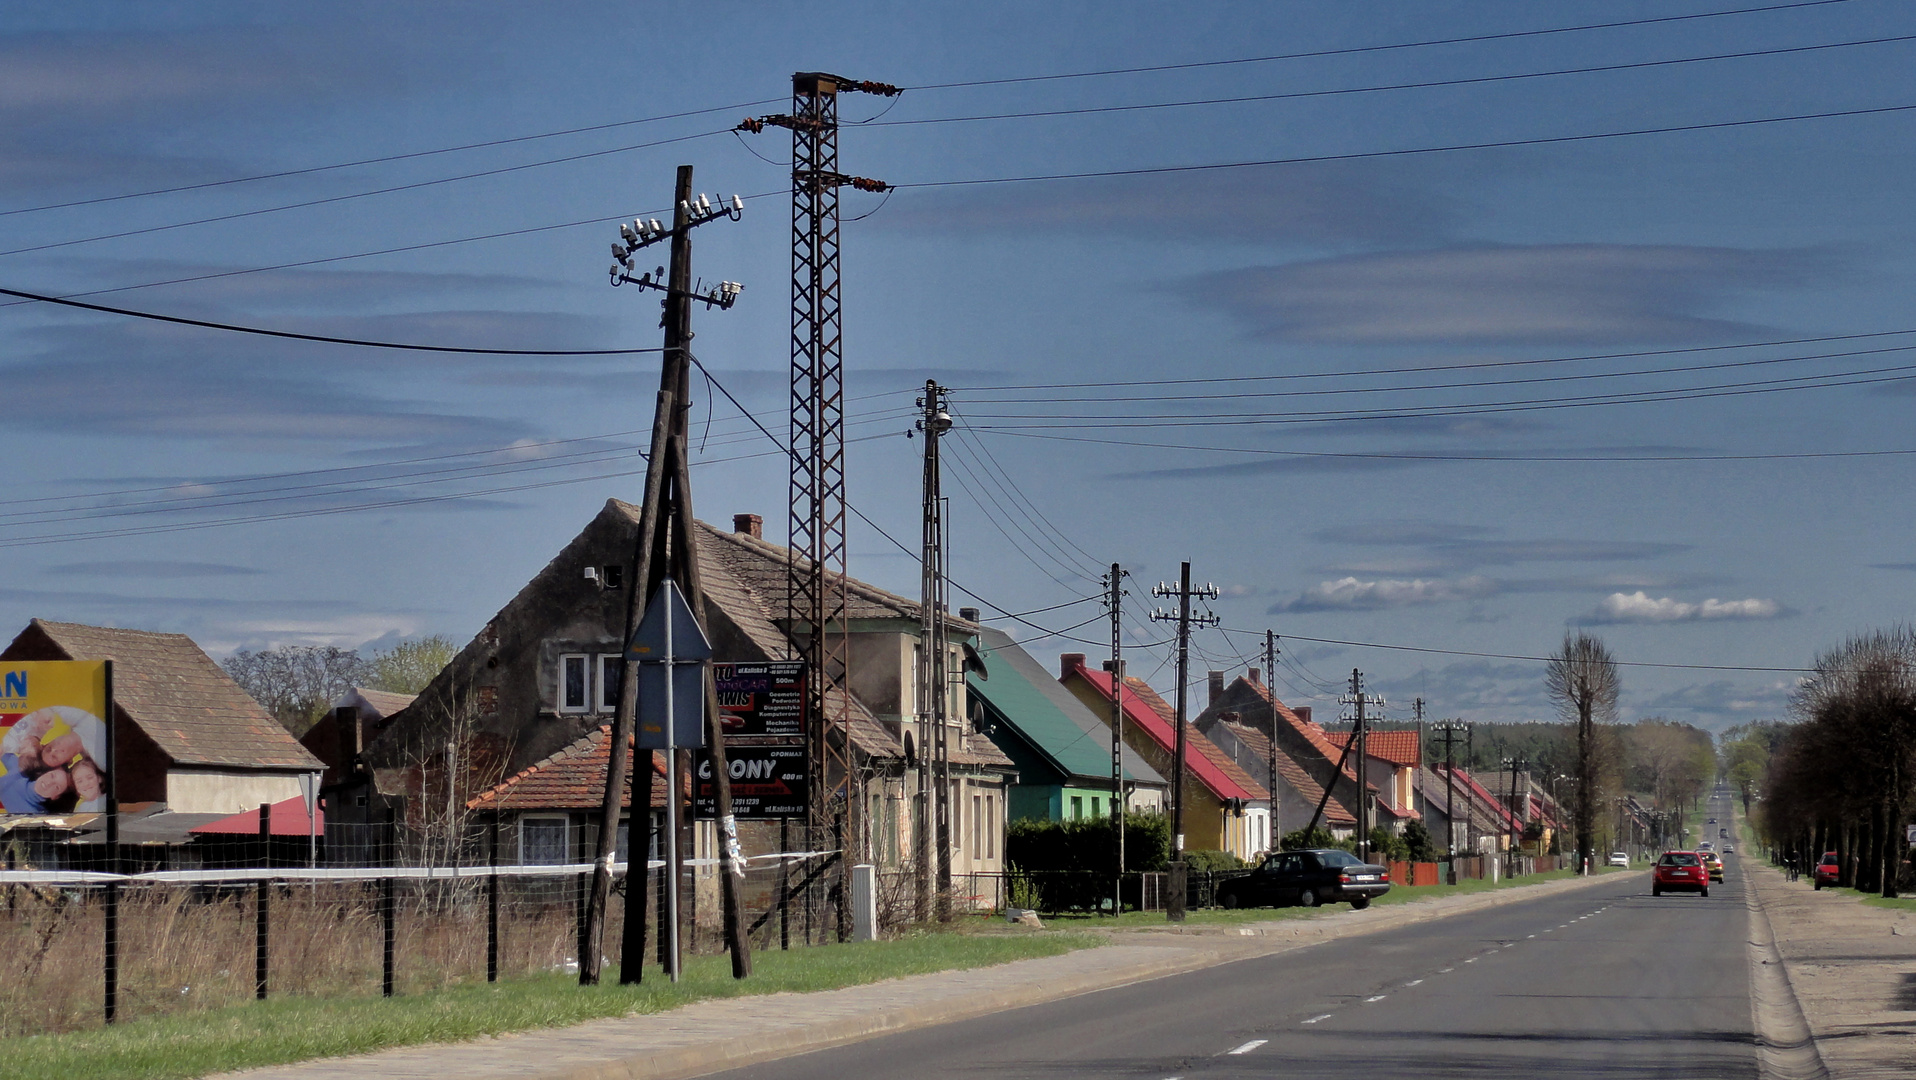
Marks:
<point>1355,390</point>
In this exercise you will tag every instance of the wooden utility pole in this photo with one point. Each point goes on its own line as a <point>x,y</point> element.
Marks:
<point>1174,898</point>
<point>1119,803</point>
<point>666,546</point>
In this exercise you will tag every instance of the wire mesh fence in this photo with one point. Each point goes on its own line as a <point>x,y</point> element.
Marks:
<point>371,910</point>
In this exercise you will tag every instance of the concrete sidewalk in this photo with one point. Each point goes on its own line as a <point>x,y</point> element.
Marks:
<point>1852,968</point>
<point>721,1034</point>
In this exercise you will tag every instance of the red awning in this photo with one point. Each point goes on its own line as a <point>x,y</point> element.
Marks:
<point>286,819</point>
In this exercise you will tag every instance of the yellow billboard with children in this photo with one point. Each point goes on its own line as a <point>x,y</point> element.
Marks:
<point>53,736</point>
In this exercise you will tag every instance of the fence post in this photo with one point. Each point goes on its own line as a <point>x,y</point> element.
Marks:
<point>784,882</point>
<point>387,898</point>
<point>492,900</point>
<point>260,899</point>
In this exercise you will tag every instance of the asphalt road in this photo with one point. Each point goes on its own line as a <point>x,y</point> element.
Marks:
<point>1600,983</point>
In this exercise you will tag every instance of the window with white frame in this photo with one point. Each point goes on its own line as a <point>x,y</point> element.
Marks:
<point>575,683</point>
<point>611,676</point>
<point>543,840</point>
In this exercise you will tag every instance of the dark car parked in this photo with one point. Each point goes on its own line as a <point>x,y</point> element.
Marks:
<point>1307,879</point>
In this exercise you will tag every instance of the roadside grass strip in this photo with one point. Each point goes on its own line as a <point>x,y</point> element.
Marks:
<point>286,1030</point>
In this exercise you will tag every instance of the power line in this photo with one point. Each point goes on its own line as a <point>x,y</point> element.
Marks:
<point>1357,49</point>
<point>1427,84</point>
<point>1533,659</point>
<point>331,199</point>
<point>1680,369</point>
<point>1498,144</point>
<point>1493,458</point>
<point>1422,368</point>
<point>1759,386</point>
<point>385,159</point>
<point>235,328</point>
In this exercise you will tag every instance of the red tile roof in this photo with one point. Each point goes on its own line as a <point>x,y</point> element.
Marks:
<point>1400,748</point>
<point>1154,716</point>
<point>286,818</point>
<point>572,779</point>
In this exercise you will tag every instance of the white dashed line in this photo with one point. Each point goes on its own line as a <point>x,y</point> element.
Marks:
<point>1369,1000</point>
<point>1315,1019</point>
<point>1533,935</point>
<point>1250,1046</point>
<point>1472,960</point>
<point>1412,983</point>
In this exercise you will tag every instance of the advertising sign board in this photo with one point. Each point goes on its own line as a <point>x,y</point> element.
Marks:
<point>761,701</point>
<point>767,782</point>
<point>52,736</point>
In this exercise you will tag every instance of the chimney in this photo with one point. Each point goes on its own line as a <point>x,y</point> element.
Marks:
<point>1217,687</point>
<point>1254,676</point>
<point>749,525</point>
<point>969,614</point>
<point>1069,661</point>
<point>1303,712</point>
<point>1230,716</point>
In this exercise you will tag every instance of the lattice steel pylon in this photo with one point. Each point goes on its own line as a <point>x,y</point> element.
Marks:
<point>816,570</point>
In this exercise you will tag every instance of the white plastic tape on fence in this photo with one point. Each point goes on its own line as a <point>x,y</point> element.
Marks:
<point>351,873</point>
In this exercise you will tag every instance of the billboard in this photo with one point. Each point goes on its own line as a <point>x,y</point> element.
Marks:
<point>52,736</point>
<point>767,782</point>
<point>761,701</point>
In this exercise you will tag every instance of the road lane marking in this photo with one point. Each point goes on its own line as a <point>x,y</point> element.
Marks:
<point>1412,983</point>
<point>1250,1046</point>
<point>1445,971</point>
<point>1527,939</point>
<point>1368,1000</point>
<point>1315,1019</point>
<point>1472,960</point>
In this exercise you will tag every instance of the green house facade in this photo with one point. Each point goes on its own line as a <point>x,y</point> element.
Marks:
<point>1062,752</point>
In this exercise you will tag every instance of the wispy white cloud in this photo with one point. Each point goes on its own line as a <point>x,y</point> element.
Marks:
<point>1641,607</point>
<point>1547,293</point>
<point>1355,594</point>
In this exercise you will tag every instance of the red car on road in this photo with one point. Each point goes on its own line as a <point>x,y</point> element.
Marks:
<point>1680,871</point>
<point>1828,870</point>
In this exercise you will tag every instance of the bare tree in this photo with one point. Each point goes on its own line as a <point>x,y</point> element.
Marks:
<point>1583,683</point>
<point>296,682</point>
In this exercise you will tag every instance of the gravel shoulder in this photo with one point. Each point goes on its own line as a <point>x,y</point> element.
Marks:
<point>1852,969</point>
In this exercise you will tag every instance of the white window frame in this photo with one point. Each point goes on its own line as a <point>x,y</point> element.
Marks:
<point>605,685</point>
<point>565,841</point>
<point>585,661</point>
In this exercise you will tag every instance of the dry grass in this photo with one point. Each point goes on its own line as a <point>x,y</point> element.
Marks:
<point>185,948</point>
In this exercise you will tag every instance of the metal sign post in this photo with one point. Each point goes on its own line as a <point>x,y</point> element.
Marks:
<point>671,651</point>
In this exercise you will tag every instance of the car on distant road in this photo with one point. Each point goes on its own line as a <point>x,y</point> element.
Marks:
<point>1712,821</point>
<point>1307,879</point>
<point>1680,871</point>
<point>1729,849</point>
<point>1714,863</point>
<point>1619,858</point>
<point>1828,870</point>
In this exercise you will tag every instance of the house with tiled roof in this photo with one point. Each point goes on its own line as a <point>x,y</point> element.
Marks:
<point>1063,753</point>
<point>544,673</point>
<point>1391,760</point>
<point>188,739</point>
<point>1294,795</point>
<point>1255,705</point>
<point>1224,808</point>
<point>548,812</point>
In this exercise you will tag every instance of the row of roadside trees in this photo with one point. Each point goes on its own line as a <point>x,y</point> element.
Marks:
<point>1840,778</point>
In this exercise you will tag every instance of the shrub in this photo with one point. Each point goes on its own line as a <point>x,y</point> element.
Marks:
<point>1418,842</point>
<point>1385,847</point>
<point>1212,860</point>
